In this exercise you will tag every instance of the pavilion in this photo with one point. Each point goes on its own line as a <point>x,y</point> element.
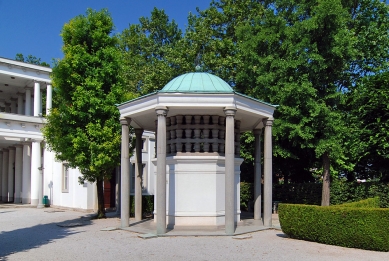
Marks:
<point>198,119</point>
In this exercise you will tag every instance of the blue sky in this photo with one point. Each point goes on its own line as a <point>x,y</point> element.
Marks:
<point>33,26</point>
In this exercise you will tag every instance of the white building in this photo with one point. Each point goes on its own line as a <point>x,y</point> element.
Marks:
<point>27,170</point>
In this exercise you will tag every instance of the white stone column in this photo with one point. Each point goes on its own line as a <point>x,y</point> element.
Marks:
<point>11,177</point>
<point>35,165</point>
<point>40,187</point>
<point>257,175</point>
<point>37,99</point>
<point>230,211</point>
<point>125,175</point>
<point>138,175</point>
<point>49,98</point>
<point>27,105</point>
<point>268,174</point>
<point>18,173</point>
<point>26,180</point>
<point>1,173</point>
<point>20,103</point>
<point>161,112</point>
<point>4,178</point>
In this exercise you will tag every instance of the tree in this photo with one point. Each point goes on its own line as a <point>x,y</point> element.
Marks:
<point>151,51</point>
<point>30,59</point>
<point>83,129</point>
<point>370,112</point>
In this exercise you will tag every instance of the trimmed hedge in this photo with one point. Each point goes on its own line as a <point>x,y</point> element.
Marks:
<point>366,203</point>
<point>364,228</point>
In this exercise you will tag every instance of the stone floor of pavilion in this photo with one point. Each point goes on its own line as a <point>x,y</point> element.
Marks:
<point>247,224</point>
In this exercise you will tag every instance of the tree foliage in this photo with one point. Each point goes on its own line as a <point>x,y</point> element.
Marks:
<point>30,59</point>
<point>83,129</point>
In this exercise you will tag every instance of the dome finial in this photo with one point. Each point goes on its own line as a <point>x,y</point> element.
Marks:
<point>198,66</point>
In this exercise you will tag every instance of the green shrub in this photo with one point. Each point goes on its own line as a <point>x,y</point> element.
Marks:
<point>341,192</point>
<point>147,205</point>
<point>298,193</point>
<point>365,203</point>
<point>246,194</point>
<point>364,228</point>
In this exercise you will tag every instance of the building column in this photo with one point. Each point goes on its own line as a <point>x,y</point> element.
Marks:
<point>37,99</point>
<point>11,174</point>
<point>161,112</point>
<point>230,212</point>
<point>268,174</point>
<point>20,103</point>
<point>1,174</point>
<point>138,175</point>
<point>18,173</point>
<point>26,180</point>
<point>27,105</point>
<point>35,173</point>
<point>4,178</point>
<point>49,95</point>
<point>257,175</point>
<point>125,175</point>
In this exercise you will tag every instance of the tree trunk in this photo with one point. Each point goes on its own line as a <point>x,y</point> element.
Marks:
<point>325,196</point>
<point>100,199</point>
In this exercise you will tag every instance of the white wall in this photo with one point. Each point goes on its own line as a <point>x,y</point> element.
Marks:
<point>83,197</point>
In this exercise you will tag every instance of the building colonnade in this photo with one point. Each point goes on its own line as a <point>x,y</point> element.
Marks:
<point>21,163</point>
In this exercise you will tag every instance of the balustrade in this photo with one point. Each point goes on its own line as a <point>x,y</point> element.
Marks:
<point>198,134</point>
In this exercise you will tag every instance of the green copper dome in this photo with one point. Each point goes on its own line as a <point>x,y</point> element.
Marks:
<point>197,82</point>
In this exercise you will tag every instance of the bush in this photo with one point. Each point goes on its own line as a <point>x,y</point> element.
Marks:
<point>147,205</point>
<point>366,203</point>
<point>246,195</point>
<point>341,192</point>
<point>298,193</point>
<point>364,228</point>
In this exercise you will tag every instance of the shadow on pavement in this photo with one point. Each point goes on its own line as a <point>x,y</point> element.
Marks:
<point>24,239</point>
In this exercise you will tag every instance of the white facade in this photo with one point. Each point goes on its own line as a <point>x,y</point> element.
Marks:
<point>148,155</point>
<point>27,170</point>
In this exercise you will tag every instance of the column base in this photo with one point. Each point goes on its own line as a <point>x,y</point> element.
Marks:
<point>18,200</point>
<point>40,206</point>
<point>34,202</point>
<point>11,200</point>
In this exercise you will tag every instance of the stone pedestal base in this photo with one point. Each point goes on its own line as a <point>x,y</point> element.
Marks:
<point>195,191</point>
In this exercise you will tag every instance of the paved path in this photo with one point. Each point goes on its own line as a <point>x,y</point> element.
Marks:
<point>50,234</point>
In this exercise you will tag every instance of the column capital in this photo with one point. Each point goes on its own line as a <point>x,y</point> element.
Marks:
<point>125,121</point>
<point>161,110</point>
<point>268,121</point>
<point>138,131</point>
<point>257,131</point>
<point>5,149</point>
<point>11,148</point>
<point>14,99</point>
<point>28,88</point>
<point>18,145</point>
<point>230,111</point>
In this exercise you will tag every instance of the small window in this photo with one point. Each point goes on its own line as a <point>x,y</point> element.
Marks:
<point>65,178</point>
